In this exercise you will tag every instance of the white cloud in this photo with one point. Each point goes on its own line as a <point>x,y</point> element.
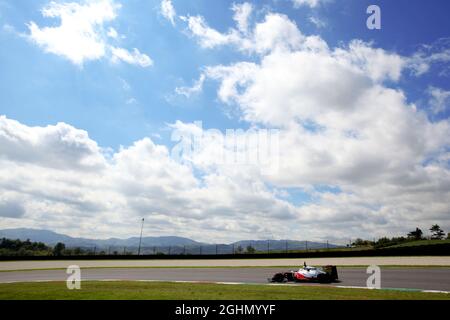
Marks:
<point>81,35</point>
<point>377,63</point>
<point>384,187</point>
<point>242,13</point>
<point>135,57</point>
<point>312,80</point>
<point>309,3</point>
<point>436,54</point>
<point>276,32</point>
<point>50,171</point>
<point>341,126</point>
<point>59,146</point>
<point>318,22</point>
<point>439,99</point>
<point>112,33</point>
<point>78,37</point>
<point>196,88</point>
<point>207,37</point>
<point>168,11</point>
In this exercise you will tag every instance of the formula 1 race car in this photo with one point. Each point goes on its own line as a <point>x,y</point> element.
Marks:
<point>326,274</point>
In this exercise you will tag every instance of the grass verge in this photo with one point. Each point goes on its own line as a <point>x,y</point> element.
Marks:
<point>128,290</point>
<point>420,243</point>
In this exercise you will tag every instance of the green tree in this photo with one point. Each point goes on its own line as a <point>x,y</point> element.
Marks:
<point>362,243</point>
<point>250,249</point>
<point>58,249</point>
<point>437,232</point>
<point>17,247</point>
<point>239,249</point>
<point>416,235</point>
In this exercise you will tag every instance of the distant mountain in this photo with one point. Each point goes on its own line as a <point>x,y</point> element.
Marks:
<point>52,238</point>
<point>174,245</point>
<point>45,236</point>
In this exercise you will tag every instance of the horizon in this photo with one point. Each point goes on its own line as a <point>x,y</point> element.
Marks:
<point>318,241</point>
<point>147,236</point>
<point>265,119</point>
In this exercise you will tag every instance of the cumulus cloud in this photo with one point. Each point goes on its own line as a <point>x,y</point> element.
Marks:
<point>135,57</point>
<point>276,32</point>
<point>112,33</point>
<point>309,3</point>
<point>81,34</point>
<point>318,22</point>
<point>436,54</point>
<point>196,88</point>
<point>305,84</point>
<point>168,11</point>
<point>60,190</point>
<point>371,163</point>
<point>242,13</point>
<point>78,36</point>
<point>207,36</point>
<point>59,146</point>
<point>439,99</point>
<point>382,186</point>
<point>341,126</point>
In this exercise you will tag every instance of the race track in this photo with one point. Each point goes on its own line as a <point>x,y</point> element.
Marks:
<point>405,278</point>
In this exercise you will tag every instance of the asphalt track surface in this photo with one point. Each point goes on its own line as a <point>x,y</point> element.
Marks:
<point>399,278</point>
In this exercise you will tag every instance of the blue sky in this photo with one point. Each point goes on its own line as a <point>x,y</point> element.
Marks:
<point>40,88</point>
<point>120,102</point>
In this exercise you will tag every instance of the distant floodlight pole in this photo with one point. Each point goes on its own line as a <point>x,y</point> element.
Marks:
<point>140,238</point>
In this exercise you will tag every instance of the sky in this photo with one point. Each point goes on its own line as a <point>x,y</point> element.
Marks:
<point>112,111</point>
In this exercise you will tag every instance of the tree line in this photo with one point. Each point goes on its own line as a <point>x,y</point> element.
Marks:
<point>26,248</point>
<point>17,247</point>
<point>416,235</point>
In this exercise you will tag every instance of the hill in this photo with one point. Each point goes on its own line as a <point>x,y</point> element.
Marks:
<point>162,244</point>
<point>52,238</point>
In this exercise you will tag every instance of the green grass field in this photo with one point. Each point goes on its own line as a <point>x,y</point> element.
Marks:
<point>196,291</point>
<point>420,243</point>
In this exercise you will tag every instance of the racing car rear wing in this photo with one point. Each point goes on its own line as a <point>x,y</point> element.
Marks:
<point>332,272</point>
